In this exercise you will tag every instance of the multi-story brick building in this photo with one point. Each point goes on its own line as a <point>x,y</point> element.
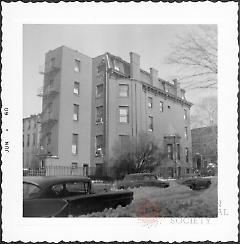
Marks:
<point>90,104</point>
<point>204,147</point>
<point>31,140</point>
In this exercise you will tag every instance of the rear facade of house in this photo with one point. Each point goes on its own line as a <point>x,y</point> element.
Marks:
<point>90,105</point>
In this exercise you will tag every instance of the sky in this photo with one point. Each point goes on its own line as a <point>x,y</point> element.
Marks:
<point>152,42</point>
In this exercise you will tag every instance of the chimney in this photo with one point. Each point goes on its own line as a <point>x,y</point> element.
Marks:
<point>177,88</point>
<point>134,66</point>
<point>154,77</point>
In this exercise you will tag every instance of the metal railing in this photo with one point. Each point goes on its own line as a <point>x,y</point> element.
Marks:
<point>61,171</point>
<point>48,68</point>
<point>47,91</point>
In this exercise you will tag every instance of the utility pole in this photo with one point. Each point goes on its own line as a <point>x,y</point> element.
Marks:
<point>174,155</point>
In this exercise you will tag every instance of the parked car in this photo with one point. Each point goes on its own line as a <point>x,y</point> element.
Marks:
<point>196,183</point>
<point>61,196</point>
<point>141,179</point>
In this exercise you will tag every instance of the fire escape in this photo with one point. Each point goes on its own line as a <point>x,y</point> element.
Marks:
<point>48,118</point>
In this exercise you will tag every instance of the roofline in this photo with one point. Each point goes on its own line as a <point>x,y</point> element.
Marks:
<point>142,70</point>
<point>205,127</point>
<point>172,96</point>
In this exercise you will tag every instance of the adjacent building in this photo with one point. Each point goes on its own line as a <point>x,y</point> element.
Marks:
<point>204,147</point>
<point>90,104</point>
<point>31,141</point>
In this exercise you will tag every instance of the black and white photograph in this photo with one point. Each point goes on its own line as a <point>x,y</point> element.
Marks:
<point>124,122</point>
<point>112,139</point>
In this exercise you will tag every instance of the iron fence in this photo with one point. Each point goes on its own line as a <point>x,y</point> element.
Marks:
<point>60,171</point>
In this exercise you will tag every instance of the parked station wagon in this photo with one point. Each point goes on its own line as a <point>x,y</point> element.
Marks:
<point>61,196</point>
<point>141,179</point>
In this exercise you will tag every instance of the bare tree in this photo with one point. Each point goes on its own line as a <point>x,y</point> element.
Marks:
<point>195,56</point>
<point>141,154</point>
<point>205,113</point>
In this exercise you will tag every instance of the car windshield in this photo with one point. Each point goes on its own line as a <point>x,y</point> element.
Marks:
<point>149,177</point>
<point>29,190</point>
<point>133,177</point>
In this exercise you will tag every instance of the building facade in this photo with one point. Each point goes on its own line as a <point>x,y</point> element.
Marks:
<point>204,147</point>
<point>89,105</point>
<point>31,140</point>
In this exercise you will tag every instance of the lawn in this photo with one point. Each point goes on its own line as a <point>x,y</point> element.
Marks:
<point>174,201</point>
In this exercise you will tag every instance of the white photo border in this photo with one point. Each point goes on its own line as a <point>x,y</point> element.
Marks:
<point>17,228</point>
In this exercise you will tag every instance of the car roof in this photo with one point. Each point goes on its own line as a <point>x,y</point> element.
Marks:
<point>45,181</point>
<point>141,174</point>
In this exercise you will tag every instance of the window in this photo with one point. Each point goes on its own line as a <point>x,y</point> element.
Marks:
<point>150,102</point>
<point>118,66</point>
<point>77,187</point>
<point>23,140</point>
<point>123,90</point>
<point>85,169</point>
<point>166,88</point>
<point>74,165</point>
<point>99,146</point>
<point>99,112</point>
<point>50,83</point>
<point>29,125</point>
<point>28,140</point>
<point>48,138</point>
<point>75,112</point>
<point>178,151</point>
<point>77,65</point>
<point>75,144</point>
<point>185,114</point>
<point>124,114</point>
<point>99,91</point>
<point>188,171</point>
<point>170,151</point>
<point>56,190</point>
<point>52,62</point>
<point>99,169</point>
<point>150,123</point>
<point>34,139</point>
<point>76,87</point>
<point>186,154</point>
<point>49,110</point>
<point>161,106</point>
<point>186,133</point>
<point>101,68</point>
